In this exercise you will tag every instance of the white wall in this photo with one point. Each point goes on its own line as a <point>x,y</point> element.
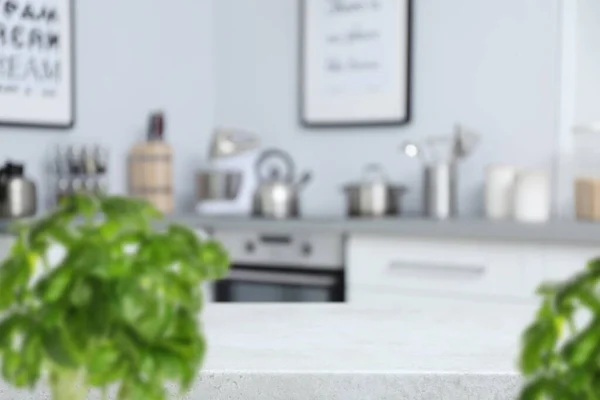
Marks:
<point>569,34</point>
<point>492,65</point>
<point>588,62</point>
<point>135,56</point>
<point>580,94</point>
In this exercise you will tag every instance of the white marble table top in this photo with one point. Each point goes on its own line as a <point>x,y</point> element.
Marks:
<point>443,350</point>
<point>439,337</point>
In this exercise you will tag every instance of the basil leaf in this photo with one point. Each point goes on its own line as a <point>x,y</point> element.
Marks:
<point>535,389</point>
<point>104,364</point>
<point>60,348</point>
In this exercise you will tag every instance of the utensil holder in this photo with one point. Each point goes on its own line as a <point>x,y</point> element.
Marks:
<point>440,191</point>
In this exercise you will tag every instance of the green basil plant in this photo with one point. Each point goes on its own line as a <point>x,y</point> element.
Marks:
<point>98,295</point>
<point>560,356</point>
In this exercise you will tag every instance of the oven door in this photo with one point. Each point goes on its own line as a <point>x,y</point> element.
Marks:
<point>251,284</point>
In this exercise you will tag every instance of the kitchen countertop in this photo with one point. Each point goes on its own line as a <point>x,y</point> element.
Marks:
<point>553,232</point>
<point>557,231</point>
<point>420,351</point>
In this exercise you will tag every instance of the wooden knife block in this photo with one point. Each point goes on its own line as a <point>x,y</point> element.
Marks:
<point>151,174</point>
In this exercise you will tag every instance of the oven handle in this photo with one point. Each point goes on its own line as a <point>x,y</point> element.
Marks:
<point>281,278</point>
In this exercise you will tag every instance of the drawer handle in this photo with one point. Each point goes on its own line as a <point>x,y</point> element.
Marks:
<point>438,270</point>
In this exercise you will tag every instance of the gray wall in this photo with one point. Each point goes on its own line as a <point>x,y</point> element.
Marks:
<point>492,65</point>
<point>134,56</point>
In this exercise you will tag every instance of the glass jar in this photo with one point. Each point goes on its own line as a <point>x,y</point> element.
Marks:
<point>586,171</point>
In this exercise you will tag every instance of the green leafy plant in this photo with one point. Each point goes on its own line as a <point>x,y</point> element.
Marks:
<point>560,356</point>
<point>96,295</point>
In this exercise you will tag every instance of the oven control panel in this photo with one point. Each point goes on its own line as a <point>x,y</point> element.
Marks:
<point>306,250</point>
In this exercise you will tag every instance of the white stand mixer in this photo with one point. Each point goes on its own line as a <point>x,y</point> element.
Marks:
<point>232,152</point>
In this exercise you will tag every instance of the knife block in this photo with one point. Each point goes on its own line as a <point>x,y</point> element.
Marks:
<point>151,174</point>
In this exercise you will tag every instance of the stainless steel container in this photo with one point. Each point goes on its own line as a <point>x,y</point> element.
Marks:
<point>440,191</point>
<point>218,184</point>
<point>374,196</point>
<point>374,200</point>
<point>18,195</point>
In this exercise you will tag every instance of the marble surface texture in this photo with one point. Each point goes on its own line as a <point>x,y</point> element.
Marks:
<point>447,350</point>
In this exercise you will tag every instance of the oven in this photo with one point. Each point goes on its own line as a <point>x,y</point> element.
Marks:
<point>281,267</point>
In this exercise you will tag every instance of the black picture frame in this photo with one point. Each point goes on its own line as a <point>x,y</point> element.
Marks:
<point>406,114</point>
<point>16,123</point>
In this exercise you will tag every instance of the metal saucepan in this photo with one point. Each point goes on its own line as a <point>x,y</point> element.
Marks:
<point>218,184</point>
<point>372,201</point>
<point>374,196</point>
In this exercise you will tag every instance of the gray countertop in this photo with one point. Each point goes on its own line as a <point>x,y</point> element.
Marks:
<point>554,232</point>
<point>557,231</point>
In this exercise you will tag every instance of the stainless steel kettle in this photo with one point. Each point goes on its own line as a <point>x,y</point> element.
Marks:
<point>18,195</point>
<point>277,194</point>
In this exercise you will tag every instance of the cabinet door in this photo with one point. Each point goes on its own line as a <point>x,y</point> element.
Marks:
<point>6,242</point>
<point>370,297</point>
<point>562,262</point>
<point>202,234</point>
<point>439,267</point>
<point>207,291</point>
<point>207,287</point>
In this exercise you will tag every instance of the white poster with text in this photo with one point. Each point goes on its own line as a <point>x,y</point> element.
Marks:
<point>355,62</point>
<point>36,63</point>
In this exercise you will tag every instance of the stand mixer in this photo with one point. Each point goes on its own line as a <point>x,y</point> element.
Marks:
<point>227,186</point>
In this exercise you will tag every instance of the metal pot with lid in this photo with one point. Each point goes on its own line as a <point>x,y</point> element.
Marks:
<point>374,196</point>
<point>277,194</point>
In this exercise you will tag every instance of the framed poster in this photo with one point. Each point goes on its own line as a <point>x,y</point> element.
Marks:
<point>355,62</point>
<point>37,63</point>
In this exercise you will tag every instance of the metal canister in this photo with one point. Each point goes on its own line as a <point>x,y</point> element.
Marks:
<point>440,191</point>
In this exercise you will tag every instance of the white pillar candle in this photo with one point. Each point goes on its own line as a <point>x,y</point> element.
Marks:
<point>532,196</point>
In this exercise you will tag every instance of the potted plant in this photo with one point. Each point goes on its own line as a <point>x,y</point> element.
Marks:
<point>95,295</point>
<point>560,357</point>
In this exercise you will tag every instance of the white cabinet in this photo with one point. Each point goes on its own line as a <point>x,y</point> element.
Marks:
<point>207,287</point>
<point>384,267</point>
<point>202,234</point>
<point>207,292</point>
<point>564,261</point>
<point>6,242</point>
